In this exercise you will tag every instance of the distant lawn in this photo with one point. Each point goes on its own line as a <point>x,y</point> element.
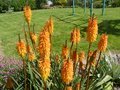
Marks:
<point>11,24</point>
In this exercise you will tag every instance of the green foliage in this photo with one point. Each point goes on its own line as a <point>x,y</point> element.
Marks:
<point>4,5</point>
<point>108,74</point>
<point>116,3</point>
<point>98,4</point>
<point>19,4</point>
<point>16,4</point>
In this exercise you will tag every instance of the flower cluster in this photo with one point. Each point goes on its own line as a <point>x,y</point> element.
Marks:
<point>27,14</point>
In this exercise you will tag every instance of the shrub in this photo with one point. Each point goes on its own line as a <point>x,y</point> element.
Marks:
<point>98,4</point>
<point>4,6</point>
<point>116,3</point>
<point>19,4</point>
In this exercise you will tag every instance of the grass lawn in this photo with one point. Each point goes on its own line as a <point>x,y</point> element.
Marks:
<point>11,24</point>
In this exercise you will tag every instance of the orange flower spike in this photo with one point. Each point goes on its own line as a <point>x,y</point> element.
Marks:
<point>44,45</point>
<point>51,25</point>
<point>93,58</point>
<point>31,56</point>
<point>92,30</point>
<point>73,36</point>
<point>29,49</point>
<point>44,68</point>
<point>82,56</point>
<point>65,51</point>
<point>102,45</point>
<point>78,37</point>
<point>75,56</point>
<point>67,71</point>
<point>21,48</point>
<point>33,37</point>
<point>90,54</point>
<point>27,14</point>
<point>57,58</point>
<point>81,65</point>
<point>69,88</point>
<point>47,27</point>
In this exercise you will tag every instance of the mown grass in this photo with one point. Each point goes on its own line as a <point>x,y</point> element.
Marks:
<point>11,24</point>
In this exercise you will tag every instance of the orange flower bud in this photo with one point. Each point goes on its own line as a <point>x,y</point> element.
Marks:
<point>57,58</point>
<point>81,66</point>
<point>75,56</point>
<point>78,37</point>
<point>31,56</point>
<point>27,14</point>
<point>102,45</point>
<point>49,26</point>
<point>65,51</point>
<point>75,36</point>
<point>29,49</point>
<point>92,60</point>
<point>82,56</point>
<point>33,37</point>
<point>21,48</point>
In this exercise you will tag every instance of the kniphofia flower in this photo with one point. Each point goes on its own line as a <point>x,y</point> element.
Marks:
<point>65,51</point>
<point>57,58</point>
<point>69,88</point>
<point>67,71</point>
<point>90,54</point>
<point>102,45</point>
<point>92,60</point>
<point>49,26</point>
<point>21,48</point>
<point>29,49</point>
<point>92,30</point>
<point>81,66</point>
<point>78,37</point>
<point>44,45</point>
<point>33,37</point>
<point>27,14</point>
<point>31,56</point>
<point>82,56</point>
<point>75,36</point>
<point>44,68</point>
<point>75,56</point>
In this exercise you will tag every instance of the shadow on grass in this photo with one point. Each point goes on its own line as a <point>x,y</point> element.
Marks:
<point>110,26</point>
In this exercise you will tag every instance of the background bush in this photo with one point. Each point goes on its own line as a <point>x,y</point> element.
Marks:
<point>116,3</point>
<point>18,5</point>
<point>4,4</point>
<point>98,4</point>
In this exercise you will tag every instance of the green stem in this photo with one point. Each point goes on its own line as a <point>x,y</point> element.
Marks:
<point>96,67</point>
<point>71,49</point>
<point>87,82</point>
<point>45,86</point>
<point>83,75</point>
<point>25,74</point>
